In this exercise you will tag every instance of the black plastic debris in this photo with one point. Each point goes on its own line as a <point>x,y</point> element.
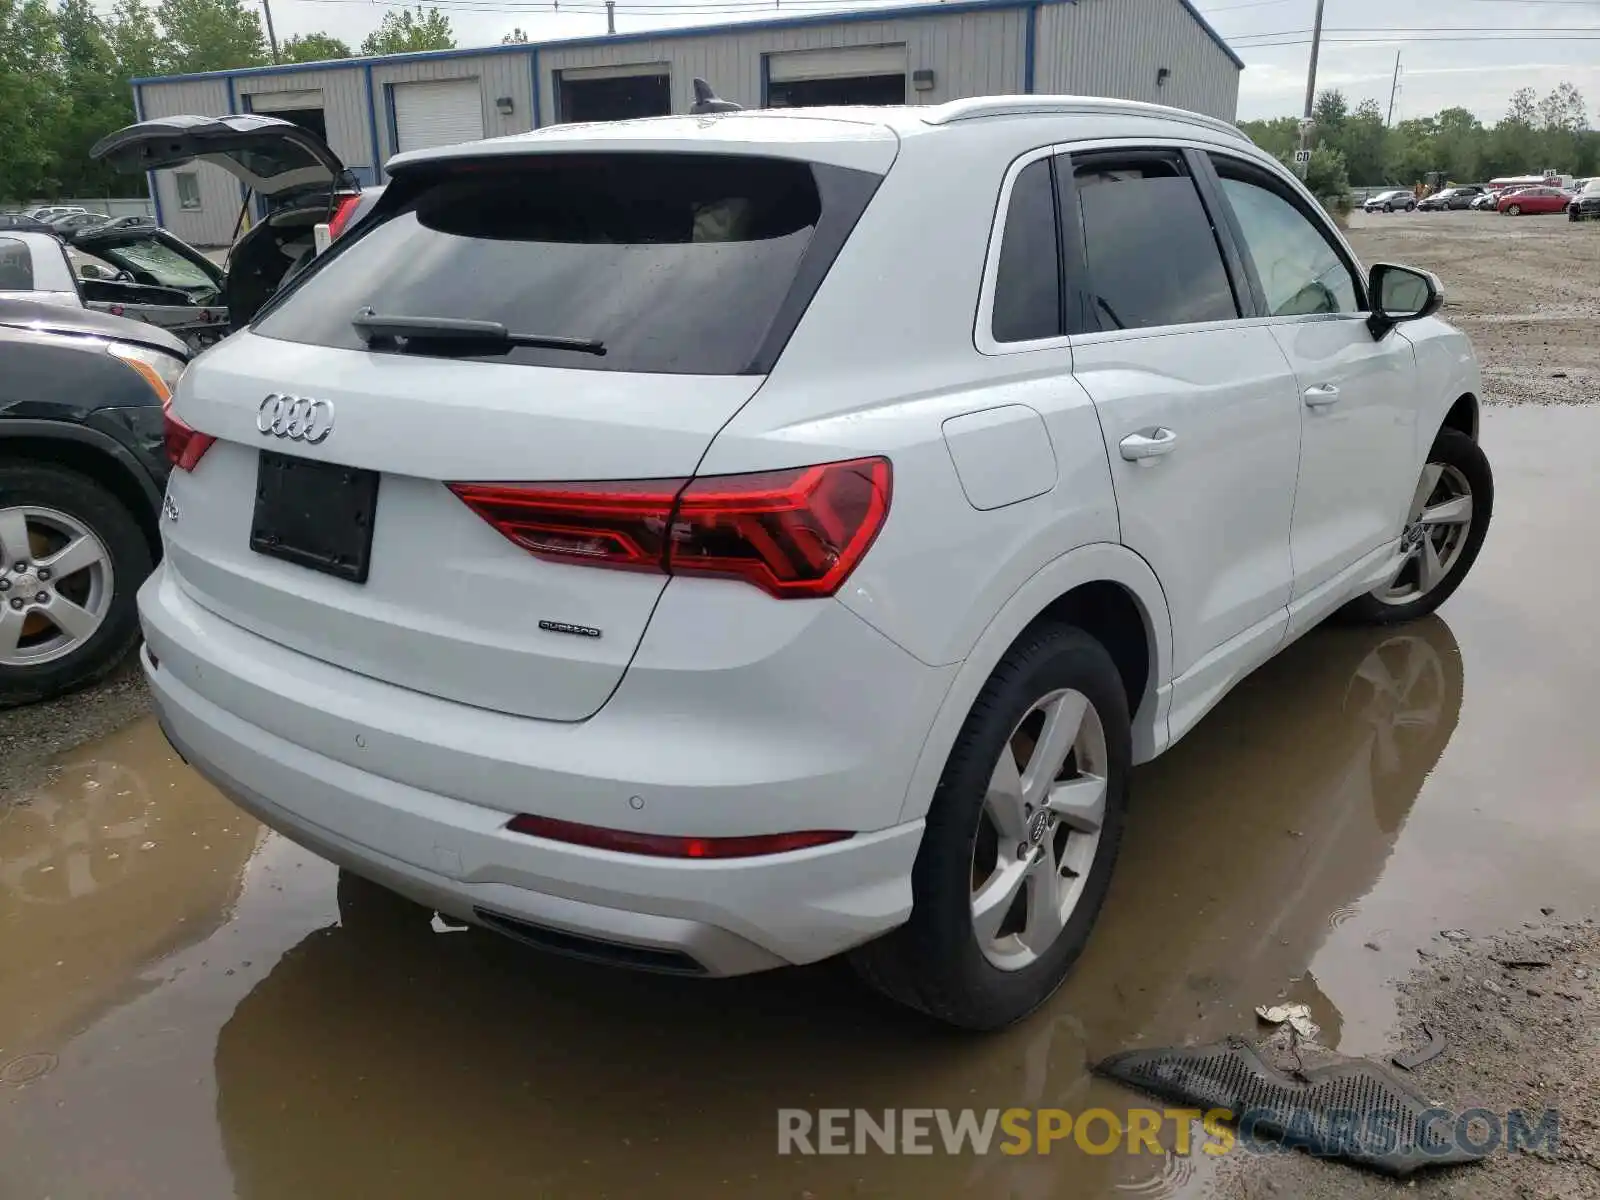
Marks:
<point>1410,1060</point>
<point>1356,1109</point>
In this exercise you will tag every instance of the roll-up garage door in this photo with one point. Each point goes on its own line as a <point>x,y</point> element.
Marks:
<point>852,63</point>
<point>857,75</point>
<point>438,112</point>
<point>276,102</point>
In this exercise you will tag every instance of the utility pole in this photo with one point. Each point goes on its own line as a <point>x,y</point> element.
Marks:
<point>611,16</point>
<point>1303,158</point>
<point>1394,88</point>
<point>272,38</point>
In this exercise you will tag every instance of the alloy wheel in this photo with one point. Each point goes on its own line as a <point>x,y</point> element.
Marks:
<point>1038,829</point>
<point>56,585</point>
<point>1436,532</point>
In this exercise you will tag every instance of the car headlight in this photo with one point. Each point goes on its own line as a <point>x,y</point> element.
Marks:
<point>159,369</point>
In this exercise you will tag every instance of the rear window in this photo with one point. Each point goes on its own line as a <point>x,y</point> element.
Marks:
<point>691,264</point>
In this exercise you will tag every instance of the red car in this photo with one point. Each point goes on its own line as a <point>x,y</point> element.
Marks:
<point>1534,200</point>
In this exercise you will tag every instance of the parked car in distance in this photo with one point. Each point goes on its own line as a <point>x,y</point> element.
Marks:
<point>34,266</point>
<point>1534,200</point>
<point>73,222</point>
<point>22,221</point>
<point>796,628</point>
<point>148,273</point>
<point>131,222</point>
<point>1585,206</point>
<point>1451,197</point>
<point>82,468</point>
<point>51,212</point>
<point>1400,198</point>
<point>1488,199</point>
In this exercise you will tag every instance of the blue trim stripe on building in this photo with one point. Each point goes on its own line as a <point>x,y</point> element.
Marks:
<point>372,126</point>
<point>149,176</point>
<point>1030,38</point>
<point>533,69</point>
<point>660,35</point>
<point>388,113</point>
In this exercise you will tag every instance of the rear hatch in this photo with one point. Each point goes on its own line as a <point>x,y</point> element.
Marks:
<point>269,155</point>
<point>611,311</point>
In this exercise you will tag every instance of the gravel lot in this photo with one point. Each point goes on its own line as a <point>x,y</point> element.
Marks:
<point>1526,289</point>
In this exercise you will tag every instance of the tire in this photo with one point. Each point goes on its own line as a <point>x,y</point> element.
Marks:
<point>1388,208</point>
<point>1411,208</point>
<point>936,962</point>
<point>58,505</point>
<point>1460,462</point>
<point>1514,210</point>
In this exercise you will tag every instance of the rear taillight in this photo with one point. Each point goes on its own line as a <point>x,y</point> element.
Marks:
<point>184,445</point>
<point>344,208</point>
<point>793,533</point>
<point>658,845</point>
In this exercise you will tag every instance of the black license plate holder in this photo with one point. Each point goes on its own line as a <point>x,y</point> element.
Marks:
<point>315,514</point>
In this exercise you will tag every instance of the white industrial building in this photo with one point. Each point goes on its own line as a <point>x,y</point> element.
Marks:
<point>371,108</point>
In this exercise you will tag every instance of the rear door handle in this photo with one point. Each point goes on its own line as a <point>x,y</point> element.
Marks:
<point>1148,443</point>
<point>1320,396</point>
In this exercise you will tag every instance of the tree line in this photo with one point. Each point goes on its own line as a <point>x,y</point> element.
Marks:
<point>1357,146</point>
<point>64,73</point>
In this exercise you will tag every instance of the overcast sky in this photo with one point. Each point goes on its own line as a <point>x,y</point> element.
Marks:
<point>1479,74</point>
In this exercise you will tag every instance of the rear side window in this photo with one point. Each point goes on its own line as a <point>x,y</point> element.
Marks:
<point>692,264</point>
<point>1027,289</point>
<point>16,266</point>
<point>1152,256</point>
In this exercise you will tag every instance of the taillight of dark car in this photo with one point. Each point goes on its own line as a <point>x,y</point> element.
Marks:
<point>795,533</point>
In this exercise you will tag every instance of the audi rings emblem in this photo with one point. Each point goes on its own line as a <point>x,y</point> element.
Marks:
<point>298,418</point>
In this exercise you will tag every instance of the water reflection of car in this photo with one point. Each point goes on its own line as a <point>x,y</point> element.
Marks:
<point>1302,783</point>
<point>1388,202</point>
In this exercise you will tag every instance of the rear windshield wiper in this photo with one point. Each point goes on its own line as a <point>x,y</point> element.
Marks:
<point>375,327</point>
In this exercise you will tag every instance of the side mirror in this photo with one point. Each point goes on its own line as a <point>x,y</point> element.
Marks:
<point>1399,294</point>
<point>92,271</point>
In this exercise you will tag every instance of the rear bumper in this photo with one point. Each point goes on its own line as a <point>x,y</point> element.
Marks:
<point>238,708</point>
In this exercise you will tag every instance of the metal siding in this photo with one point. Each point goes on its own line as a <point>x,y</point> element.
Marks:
<point>1115,47</point>
<point>212,223</point>
<point>970,54</point>
<point>344,106</point>
<point>498,74</point>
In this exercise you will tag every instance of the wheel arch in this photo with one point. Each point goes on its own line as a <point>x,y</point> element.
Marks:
<point>1111,593</point>
<point>91,453</point>
<point>1463,416</point>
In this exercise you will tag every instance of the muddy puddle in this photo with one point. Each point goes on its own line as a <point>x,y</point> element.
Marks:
<point>182,1012</point>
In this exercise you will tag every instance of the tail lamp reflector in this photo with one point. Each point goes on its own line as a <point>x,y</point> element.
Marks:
<point>663,846</point>
<point>792,533</point>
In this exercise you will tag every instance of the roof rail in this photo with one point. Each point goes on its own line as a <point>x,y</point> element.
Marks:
<point>980,107</point>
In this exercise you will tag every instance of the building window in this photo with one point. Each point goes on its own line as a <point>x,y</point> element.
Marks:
<point>188,189</point>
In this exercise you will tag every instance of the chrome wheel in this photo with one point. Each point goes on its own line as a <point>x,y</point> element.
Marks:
<point>56,585</point>
<point>1435,534</point>
<point>1038,829</point>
